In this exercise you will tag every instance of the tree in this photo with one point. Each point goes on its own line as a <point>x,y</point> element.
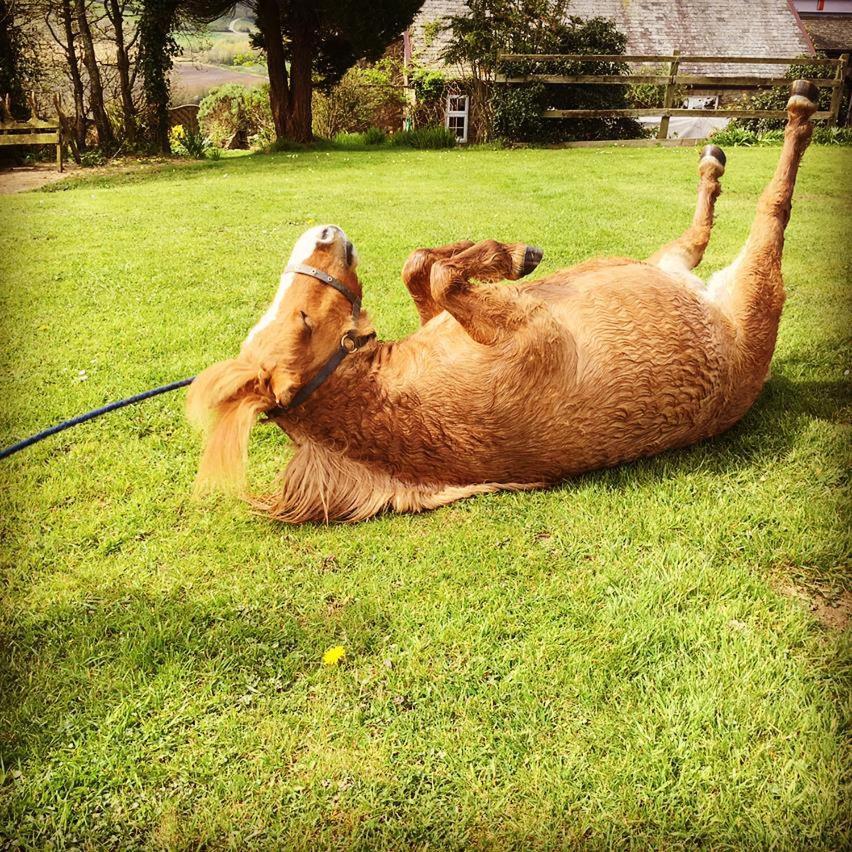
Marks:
<point>103,126</point>
<point>115,12</point>
<point>320,40</point>
<point>158,21</point>
<point>18,63</point>
<point>538,26</point>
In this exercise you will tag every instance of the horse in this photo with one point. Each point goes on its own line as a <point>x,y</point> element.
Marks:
<point>503,386</point>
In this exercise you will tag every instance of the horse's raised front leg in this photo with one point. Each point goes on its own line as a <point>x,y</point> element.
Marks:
<point>416,274</point>
<point>685,253</point>
<point>487,313</point>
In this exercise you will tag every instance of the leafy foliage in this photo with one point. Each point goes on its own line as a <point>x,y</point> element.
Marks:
<point>424,137</point>
<point>187,142</point>
<point>365,97</point>
<point>777,98</point>
<point>734,135</point>
<point>540,26</point>
<point>234,109</point>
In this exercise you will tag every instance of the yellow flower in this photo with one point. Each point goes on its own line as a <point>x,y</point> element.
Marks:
<point>333,655</point>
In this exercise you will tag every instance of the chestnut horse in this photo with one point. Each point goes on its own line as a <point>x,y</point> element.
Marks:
<point>502,387</point>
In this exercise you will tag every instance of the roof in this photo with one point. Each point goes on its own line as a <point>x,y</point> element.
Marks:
<point>721,28</point>
<point>830,33</point>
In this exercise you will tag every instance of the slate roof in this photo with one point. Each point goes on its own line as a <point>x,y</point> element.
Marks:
<point>830,33</point>
<point>721,28</point>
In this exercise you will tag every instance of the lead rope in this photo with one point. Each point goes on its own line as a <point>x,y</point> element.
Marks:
<point>90,415</point>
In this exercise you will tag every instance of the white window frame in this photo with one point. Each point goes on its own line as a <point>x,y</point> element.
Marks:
<point>458,113</point>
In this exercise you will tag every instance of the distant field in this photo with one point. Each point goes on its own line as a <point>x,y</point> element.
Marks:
<point>191,81</point>
<point>651,657</point>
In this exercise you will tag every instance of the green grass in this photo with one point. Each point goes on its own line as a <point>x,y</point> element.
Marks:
<point>613,662</point>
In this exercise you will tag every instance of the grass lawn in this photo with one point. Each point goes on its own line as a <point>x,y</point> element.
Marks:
<point>645,656</point>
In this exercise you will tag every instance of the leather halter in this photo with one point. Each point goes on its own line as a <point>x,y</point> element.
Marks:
<point>350,342</point>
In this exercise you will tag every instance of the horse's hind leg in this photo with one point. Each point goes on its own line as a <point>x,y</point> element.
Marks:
<point>416,274</point>
<point>685,253</point>
<point>751,290</point>
<point>486,313</point>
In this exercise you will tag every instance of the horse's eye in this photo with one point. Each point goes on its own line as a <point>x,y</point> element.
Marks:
<point>306,320</point>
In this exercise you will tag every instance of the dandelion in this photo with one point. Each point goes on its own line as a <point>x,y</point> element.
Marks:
<point>333,655</point>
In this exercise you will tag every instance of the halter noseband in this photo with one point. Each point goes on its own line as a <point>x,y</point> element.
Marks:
<point>350,342</point>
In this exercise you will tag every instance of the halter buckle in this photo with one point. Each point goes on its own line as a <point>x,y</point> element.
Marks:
<point>349,342</point>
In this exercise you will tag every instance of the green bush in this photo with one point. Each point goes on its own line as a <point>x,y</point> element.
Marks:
<point>349,140</point>
<point>233,109</point>
<point>734,135</point>
<point>375,136</point>
<point>364,98</point>
<point>424,137</point>
<point>186,142</point>
<point>490,27</point>
<point>777,98</point>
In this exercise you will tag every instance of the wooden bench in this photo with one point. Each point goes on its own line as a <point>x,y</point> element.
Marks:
<point>36,131</point>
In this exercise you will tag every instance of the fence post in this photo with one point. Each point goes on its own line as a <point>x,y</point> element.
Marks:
<point>669,96</point>
<point>837,93</point>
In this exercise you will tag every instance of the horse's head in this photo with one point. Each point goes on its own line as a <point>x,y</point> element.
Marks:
<point>311,316</point>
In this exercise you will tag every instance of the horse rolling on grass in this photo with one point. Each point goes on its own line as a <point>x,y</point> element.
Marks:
<point>502,387</point>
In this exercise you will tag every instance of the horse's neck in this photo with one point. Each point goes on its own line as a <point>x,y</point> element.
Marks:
<point>357,409</point>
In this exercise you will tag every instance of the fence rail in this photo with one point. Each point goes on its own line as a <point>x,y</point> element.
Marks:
<point>674,79</point>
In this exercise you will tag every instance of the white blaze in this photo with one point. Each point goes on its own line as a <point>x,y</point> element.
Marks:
<point>304,248</point>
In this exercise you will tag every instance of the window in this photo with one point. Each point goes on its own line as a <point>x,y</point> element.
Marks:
<point>457,116</point>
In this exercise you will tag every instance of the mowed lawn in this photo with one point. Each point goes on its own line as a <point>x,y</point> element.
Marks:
<point>647,656</point>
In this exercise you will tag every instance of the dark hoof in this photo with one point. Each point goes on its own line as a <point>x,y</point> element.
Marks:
<point>532,258</point>
<point>715,152</point>
<point>805,89</point>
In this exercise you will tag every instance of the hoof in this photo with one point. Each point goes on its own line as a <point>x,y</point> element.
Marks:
<point>532,258</point>
<point>804,96</point>
<point>805,89</point>
<point>715,153</point>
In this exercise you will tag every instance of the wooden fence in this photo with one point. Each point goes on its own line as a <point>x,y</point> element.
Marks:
<point>674,79</point>
<point>35,131</point>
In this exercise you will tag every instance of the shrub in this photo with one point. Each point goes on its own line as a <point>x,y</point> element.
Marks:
<point>735,135</point>
<point>424,137</point>
<point>364,98</point>
<point>92,158</point>
<point>186,142</point>
<point>233,109</point>
<point>349,140</point>
<point>539,26</point>
<point>375,136</point>
<point>777,98</point>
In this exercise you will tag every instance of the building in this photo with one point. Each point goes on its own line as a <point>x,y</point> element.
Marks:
<point>657,27</point>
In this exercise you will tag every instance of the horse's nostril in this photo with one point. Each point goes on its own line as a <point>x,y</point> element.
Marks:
<point>350,250</point>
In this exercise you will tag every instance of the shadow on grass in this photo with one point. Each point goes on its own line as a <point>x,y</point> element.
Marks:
<point>265,649</point>
<point>79,660</point>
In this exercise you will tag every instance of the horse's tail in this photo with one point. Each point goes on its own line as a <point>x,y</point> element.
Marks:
<point>225,401</point>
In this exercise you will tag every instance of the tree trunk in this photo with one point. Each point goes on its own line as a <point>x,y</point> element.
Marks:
<point>156,49</point>
<point>106,139</point>
<point>269,22</point>
<point>122,62</point>
<point>79,129</point>
<point>298,124</point>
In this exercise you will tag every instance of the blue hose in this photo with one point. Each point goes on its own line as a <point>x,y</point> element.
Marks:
<point>90,415</point>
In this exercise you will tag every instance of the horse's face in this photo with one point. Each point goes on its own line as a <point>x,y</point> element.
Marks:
<point>305,323</point>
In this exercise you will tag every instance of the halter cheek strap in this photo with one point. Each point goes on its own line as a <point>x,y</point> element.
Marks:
<point>350,342</point>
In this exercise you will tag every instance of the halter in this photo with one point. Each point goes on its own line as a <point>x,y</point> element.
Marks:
<point>350,342</point>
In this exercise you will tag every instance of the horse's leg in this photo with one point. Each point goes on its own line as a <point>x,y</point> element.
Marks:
<point>751,290</point>
<point>416,273</point>
<point>486,313</point>
<point>685,253</point>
